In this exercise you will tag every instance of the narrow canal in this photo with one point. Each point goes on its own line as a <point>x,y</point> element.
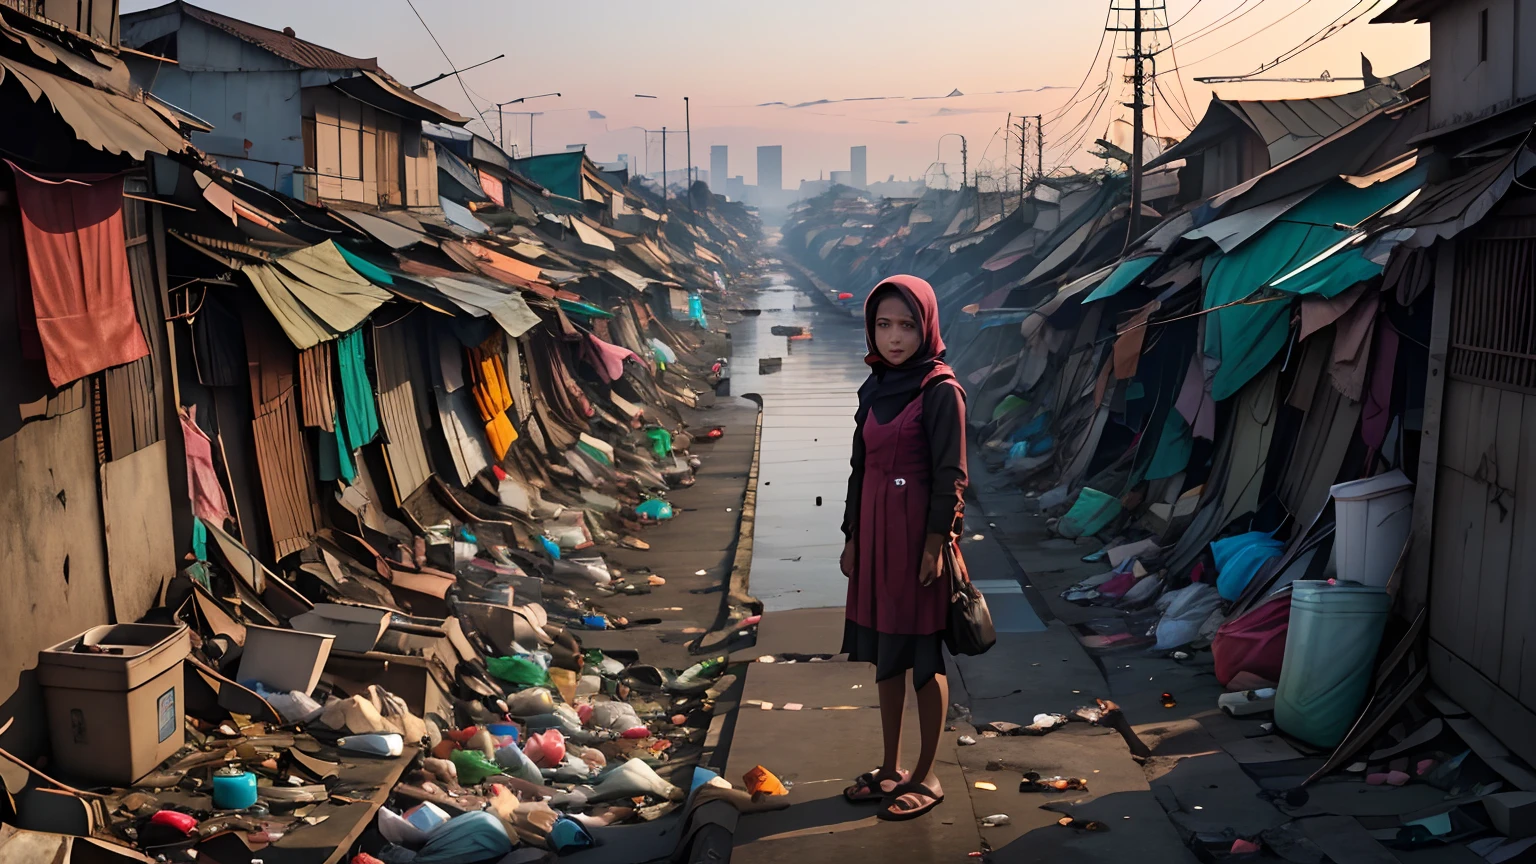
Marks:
<point>808,410</point>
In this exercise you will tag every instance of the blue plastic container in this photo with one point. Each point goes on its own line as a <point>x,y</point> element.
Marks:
<point>233,789</point>
<point>1330,655</point>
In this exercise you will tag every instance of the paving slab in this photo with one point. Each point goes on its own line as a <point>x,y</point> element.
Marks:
<point>820,752</point>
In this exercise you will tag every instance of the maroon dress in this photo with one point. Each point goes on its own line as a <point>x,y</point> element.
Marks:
<point>908,483</point>
<point>894,497</point>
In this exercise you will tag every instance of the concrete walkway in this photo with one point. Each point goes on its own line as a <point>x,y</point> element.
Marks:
<point>1038,665</point>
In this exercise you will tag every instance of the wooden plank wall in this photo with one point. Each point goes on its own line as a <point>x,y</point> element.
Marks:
<point>1482,603</point>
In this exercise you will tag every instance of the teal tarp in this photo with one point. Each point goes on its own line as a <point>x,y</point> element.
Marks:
<point>1124,275</point>
<point>1173,448</point>
<point>365,268</point>
<point>1246,338</point>
<point>359,418</point>
<point>560,173</point>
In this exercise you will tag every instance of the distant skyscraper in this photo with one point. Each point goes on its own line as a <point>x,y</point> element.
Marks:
<point>770,169</point>
<point>718,168</point>
<point>859,167</point>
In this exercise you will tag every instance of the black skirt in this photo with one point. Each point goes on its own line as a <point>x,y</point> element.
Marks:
<point>893,654</point>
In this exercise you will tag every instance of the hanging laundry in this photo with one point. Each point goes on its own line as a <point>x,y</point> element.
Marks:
<point>359,415</point>
<point>488,379</point>
<point>203,487</point>
<point>607,358</point>
<point>78,263</point>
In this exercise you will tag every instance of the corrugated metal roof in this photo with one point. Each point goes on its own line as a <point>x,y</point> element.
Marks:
<point>1288,126</point>
<point>290,48</point>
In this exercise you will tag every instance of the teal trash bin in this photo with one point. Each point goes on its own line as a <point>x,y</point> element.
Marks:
<point>1330,655</point>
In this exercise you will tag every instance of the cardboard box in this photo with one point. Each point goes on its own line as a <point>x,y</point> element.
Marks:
<point>113,717</point>
<point>356,628</point>
<point>284,660</point>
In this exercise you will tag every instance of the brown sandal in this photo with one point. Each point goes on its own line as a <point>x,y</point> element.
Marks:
<point>873,787</point>
<point>890,814</point>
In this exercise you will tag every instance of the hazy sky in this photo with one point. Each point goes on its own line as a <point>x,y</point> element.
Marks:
<point>731,56</point>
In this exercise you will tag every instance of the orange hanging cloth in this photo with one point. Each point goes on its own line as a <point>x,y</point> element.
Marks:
<point>492,395</point>
<point>78,262</point>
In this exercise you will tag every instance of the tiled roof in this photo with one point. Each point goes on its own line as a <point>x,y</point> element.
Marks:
<point>290,48</point>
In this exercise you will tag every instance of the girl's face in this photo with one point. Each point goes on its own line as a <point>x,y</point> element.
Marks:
<point>897,337</point>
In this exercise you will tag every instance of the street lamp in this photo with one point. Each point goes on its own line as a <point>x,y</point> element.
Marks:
<point>688,133</point>
<point>964,154</point>
<point>501,127</point>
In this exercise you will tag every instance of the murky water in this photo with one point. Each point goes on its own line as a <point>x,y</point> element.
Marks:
<point>807,434</point>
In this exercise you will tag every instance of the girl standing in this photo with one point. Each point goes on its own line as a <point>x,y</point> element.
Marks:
<point>906,500</point>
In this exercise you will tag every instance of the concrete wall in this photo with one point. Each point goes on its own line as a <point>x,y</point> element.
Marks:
<point>1463,86</point>
<point>52,554</point>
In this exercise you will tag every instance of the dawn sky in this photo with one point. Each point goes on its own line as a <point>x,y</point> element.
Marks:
<point>731,57</point>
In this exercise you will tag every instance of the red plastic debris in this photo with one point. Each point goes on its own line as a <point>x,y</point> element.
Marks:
<point>1243,847</point>
<point>173,819</point>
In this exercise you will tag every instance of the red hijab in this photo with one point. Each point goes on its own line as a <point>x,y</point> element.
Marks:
<point>889,389</point>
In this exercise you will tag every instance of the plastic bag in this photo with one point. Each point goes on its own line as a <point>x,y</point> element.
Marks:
<point>477,836</point>
<point>1184,611</point>
<point>655,508</point>
<point>1092,512</point>
<point>472,766</point>
<point>517,670</point>
<point>1240,558</point>
<point>661,441</point>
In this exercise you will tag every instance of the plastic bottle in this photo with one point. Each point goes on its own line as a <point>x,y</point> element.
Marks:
<point>388,744</point>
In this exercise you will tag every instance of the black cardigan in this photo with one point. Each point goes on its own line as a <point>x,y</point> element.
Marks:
<point>944,426</point>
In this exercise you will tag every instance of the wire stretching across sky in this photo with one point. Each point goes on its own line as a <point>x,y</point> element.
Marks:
<point>1333,28</point>
<point>1092,64</point>
<point>457,77</point>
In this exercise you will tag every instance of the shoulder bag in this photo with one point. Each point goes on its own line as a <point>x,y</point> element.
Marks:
<point>970,628</point>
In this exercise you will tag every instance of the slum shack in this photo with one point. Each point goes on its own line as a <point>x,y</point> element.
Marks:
<point>333,452</point>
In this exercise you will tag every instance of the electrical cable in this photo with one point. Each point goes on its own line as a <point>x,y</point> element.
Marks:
<point>1334,28</point>
<point>457,77</point>
<point>1187,13</point>
<point>1173,53</point>
<point>1330,30</point>
<point>1103,85</point>
<point>1092,64</point>
<point>1239,11</point>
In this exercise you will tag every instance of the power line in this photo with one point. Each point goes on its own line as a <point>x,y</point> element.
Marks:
<point>1103,34</point>
<point>1291,53</point>
<point>1239,11</point>
<point>1328,32</point>
<point>1187,14</point>
<point>1173,53</point>
<point>1172,106</point>
<point>457,78</point>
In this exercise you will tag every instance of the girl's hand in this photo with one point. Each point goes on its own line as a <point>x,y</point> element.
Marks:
<point>933,565</point>
<point>846,562</point>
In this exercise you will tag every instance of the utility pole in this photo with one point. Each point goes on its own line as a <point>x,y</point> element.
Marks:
<point>688,138</point>
<point>1039,148</point>
<point>1138,106</point>
<point>1136,129</point>
<point>1023,155</point>
<point>663,169</point>
<point>964,161</point>
<point>1007,130</point>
